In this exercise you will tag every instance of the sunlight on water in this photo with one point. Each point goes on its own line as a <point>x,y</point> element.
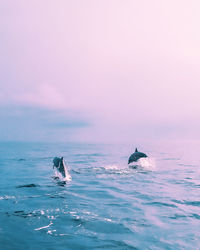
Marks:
<point>43,227</point>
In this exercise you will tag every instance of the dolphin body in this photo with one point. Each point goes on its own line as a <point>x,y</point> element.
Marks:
<point>60,165</point>
<point>136,156</point>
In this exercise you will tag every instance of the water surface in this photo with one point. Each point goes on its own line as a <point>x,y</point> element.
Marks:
<point>106,205</point>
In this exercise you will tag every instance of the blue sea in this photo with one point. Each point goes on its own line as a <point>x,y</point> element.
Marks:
<point>106,204</point>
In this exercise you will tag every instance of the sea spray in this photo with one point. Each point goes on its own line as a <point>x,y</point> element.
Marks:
<point>147,163</point>
<point>59,175</point>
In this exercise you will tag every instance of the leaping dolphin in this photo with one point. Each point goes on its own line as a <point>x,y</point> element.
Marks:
<point>136,156</point>
<point>60,165</point>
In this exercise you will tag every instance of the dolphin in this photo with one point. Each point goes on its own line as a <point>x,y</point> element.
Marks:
<point>136,156</point>
<point>60,165</point>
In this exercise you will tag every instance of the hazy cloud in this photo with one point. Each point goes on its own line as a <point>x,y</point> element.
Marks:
<point>127,68</point>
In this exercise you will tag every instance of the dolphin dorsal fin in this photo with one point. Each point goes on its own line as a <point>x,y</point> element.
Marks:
<point>136,150</point>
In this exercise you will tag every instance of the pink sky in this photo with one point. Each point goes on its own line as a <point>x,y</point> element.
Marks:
<point>120,64</point>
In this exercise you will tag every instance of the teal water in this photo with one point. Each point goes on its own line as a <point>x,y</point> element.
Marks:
<point>106,205</point>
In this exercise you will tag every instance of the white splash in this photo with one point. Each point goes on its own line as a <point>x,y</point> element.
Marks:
<point>59,175</point>
<point>111,167</point>
<point>146,163</point>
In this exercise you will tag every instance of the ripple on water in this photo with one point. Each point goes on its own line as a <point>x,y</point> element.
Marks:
<point>106,205</point>
<point>189,203</point>
<point>160,204</point>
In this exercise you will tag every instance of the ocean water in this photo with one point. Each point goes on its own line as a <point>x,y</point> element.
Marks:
<point>106,204</point>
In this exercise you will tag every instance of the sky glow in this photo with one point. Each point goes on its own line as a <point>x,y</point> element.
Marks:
<point>110,70</point>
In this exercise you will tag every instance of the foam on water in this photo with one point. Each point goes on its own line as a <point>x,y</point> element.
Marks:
<point>111,167</point>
